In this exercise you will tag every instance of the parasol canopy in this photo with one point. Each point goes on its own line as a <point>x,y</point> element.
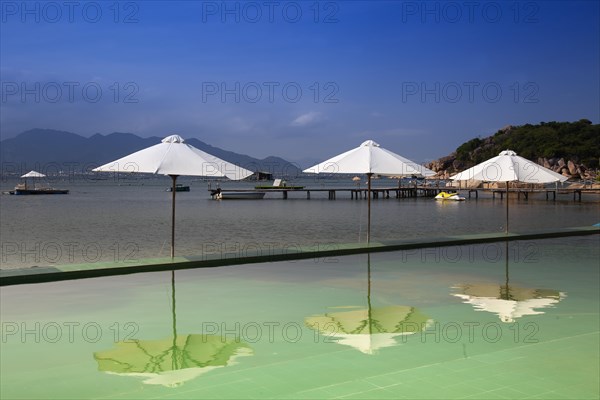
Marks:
<point>370,158</point>
<point>174,157</point>
<point>33,174</point>
<point>509,167</point>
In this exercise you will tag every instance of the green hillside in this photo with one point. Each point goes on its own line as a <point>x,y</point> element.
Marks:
<point>577,141</point>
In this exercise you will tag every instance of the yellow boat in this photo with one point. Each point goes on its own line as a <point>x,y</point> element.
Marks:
<point>449,196</point>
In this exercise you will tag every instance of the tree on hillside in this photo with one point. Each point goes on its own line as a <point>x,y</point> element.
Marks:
<point>578,141</point>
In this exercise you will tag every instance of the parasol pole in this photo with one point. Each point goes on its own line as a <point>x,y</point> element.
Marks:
<point>174,348</point>
<point>505,295</point>
<point>174,178</point>
<point>506,229</point>
<point>173,303</point>
<point>368,208</point>
<point>369,290</point>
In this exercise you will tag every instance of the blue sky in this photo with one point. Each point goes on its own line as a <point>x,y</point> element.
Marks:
<point>304,80</point>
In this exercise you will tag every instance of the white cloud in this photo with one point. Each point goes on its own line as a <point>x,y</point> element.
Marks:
<point>309,118</point>
<point>239,124</point>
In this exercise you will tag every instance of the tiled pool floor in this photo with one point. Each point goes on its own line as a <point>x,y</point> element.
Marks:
<point>398,329</point>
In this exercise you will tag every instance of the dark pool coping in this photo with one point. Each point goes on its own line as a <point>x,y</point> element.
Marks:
<point>251,256</point>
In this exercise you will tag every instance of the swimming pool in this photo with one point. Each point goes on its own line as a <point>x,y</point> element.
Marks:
<point>455,322</point>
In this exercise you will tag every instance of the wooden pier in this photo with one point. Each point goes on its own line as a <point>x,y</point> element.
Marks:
<point>417,191</point>
<point>355,193</point>
<point>524,192</point>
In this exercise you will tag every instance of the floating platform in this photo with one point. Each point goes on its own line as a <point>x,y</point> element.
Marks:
<point>22,192</point>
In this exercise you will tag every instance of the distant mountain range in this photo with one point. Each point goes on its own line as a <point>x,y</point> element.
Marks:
<point>39,147</point>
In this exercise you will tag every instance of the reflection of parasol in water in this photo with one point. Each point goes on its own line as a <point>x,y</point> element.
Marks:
<point>372,328</point>
<point>170,361</point>
<point>369,329</point>
<point>173,360</point>
<point>507,301</point>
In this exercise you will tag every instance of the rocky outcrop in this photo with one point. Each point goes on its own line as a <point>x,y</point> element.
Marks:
<point>568,168</point>
<point>448,166</point>
<point>443,165</point>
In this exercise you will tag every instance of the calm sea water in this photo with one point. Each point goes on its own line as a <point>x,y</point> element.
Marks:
<point>130,219</point>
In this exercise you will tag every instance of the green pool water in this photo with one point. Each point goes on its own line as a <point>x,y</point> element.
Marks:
<point>456,322</point>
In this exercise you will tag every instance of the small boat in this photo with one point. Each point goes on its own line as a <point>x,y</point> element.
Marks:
<point>220,195</point>
<point>24,191</point>
<point>449,196</point>
<point>179,188</point>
